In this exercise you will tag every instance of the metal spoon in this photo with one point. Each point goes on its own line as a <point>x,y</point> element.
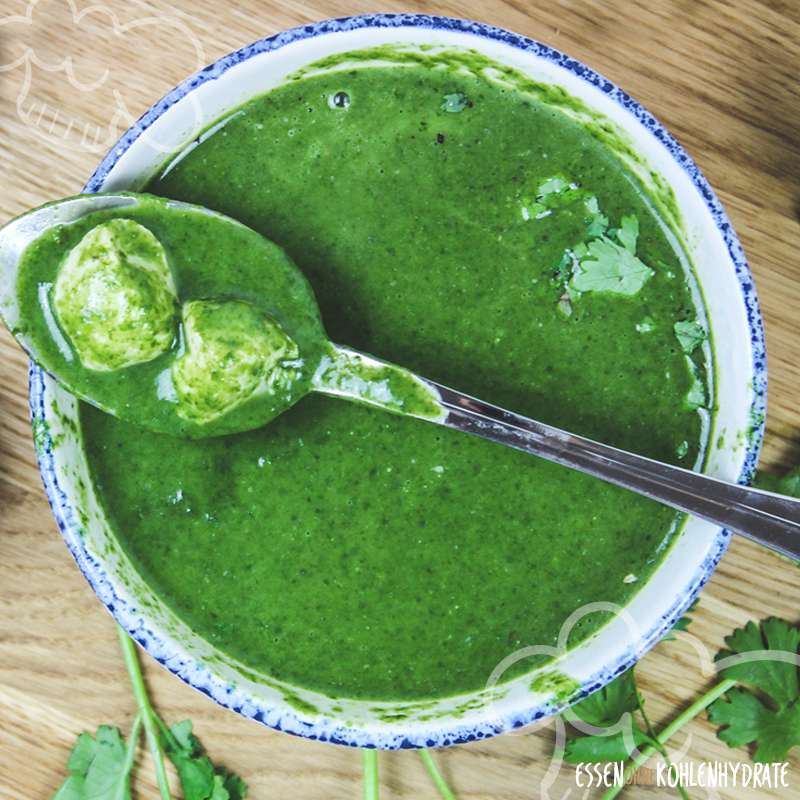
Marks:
<point>770,519</point>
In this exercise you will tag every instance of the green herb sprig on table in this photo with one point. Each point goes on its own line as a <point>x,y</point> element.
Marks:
<point>101,766</point>
<point>756,702</point>
<point>767,712</point>
<point>783,484</point>
<point>371,785</point>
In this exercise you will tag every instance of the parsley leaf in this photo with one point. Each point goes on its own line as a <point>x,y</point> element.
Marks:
<point>788,484</point>
<point>773,722</point>
<point>100,766</point>
<point>696,396</point>
<point>455,102</point>
<point>628,233</point>
<point>557,192</point>
<point>606,708</point>
<point>553,185</point>
<point>609,267</point>
<point>606,260</point>
<point>776,678</point>
<point>747,720</point>
<point>689,335</point>
<point>684,622</point>
<point>200,780</point>
<point>602,748</point>
<point>597,221</point>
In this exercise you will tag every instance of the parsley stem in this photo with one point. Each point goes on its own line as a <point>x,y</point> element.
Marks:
<point>661,749</point>
<point>133,740</point>
<point>146,711</point>
<point>371,788</point>
<point>699,705</point>
<point>438,779</point>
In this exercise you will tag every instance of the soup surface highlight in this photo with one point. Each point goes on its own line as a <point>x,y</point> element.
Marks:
<point>481,237</point>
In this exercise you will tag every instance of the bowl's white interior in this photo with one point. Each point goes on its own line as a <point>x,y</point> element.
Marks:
<point>664,596</point>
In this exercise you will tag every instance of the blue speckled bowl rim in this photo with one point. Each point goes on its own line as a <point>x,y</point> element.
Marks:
<point>452,731</point>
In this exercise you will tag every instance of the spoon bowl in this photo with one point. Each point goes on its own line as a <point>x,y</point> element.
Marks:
<point>17,235</point>
<point>217,315</point>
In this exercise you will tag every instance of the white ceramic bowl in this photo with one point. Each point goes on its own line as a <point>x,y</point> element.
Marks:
<point>738,351</point>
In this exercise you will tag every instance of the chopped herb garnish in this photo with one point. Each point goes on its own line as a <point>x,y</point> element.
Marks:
<point>609,267</point>
<point>689,335</point>
<point>563,270</point>
<point>564,305</point>
<point>453,103</point>
<point>628,233</point>
<point>696,397</point>
<point>597,221</point>
<point>606,260</point>
<point>553,185</point>
<point>558,192</point>
<point>579,251</point>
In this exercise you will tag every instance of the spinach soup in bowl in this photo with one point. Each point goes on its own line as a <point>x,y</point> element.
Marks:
<point>486,230</point>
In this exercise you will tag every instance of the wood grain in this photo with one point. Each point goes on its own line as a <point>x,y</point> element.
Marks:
<point>721,75</point>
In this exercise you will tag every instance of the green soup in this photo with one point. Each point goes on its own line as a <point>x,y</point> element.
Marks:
<point>373,556</point>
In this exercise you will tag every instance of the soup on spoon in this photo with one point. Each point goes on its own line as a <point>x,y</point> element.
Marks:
<point>184,321</point>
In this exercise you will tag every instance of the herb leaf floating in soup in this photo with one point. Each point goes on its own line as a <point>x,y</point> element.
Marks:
<point>696,397</point>
<point>605,266</point>
<point>559,192</point>
<point>690,335</point>
<point>605,259</point>
<point>455,103</point>
<point>232,351</point>
<point>114,296</point>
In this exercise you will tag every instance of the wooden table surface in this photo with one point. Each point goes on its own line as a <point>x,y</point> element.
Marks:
<point>721,75</point>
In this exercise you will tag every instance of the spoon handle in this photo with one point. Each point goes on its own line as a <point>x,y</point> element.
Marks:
<point>770,519</point>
